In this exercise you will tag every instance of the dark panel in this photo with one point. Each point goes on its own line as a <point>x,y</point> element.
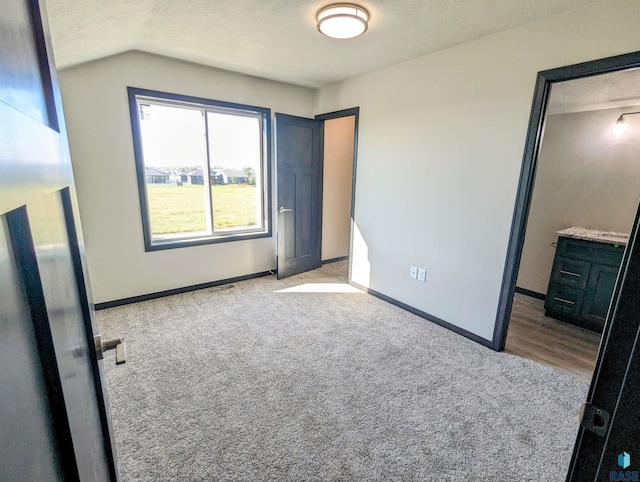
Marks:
<point>90,328</point>
<point>26,424</point>
<point>598,293</point>
<point>35,166</point>
<point>304,215</point>
<point>68,330</point>
<point>299,152</point>
<point>28,272</point>
<point>299,178</point>
<point>624,431</point>
<point>287,221</point>
<point>604,253</point>
<point>23,84</point>
<point>619,341</point>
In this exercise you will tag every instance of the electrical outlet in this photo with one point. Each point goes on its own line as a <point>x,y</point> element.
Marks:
<point>422,274</point>
<point>413,272</point>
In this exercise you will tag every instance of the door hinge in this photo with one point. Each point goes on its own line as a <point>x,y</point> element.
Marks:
<point>594,419</point>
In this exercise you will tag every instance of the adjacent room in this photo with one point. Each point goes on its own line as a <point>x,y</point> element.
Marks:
<point>586,192</point>
<point>288,250</point>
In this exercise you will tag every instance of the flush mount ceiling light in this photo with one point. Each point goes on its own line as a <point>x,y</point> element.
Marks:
<point>342,20</point>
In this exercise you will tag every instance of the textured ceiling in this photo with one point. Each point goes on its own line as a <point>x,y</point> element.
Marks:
<point>277,39</point>
<point>606,91</point>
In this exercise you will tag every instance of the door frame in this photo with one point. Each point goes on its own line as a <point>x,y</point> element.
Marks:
<point>353,111</point>
<point>544,82</point>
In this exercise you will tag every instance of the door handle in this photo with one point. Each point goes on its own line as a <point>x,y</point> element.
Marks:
<point>104,345</point>
<point>284,210</point>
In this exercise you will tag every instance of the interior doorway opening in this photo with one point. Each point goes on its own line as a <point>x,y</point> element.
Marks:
<point>579,189</point>
<point>337,187</point>
<point>315,178</point>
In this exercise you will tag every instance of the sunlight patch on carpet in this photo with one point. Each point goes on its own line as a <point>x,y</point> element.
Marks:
<point>321,288</point>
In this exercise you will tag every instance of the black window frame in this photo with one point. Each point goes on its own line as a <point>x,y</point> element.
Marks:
<point>213,238</point>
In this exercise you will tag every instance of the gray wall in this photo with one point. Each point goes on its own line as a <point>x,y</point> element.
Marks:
<point>584,178</point>
<point>97,113</point>
<point>440,148</point>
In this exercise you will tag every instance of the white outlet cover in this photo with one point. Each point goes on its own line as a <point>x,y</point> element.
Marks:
<point>422,274</point>
<point>413,272</point>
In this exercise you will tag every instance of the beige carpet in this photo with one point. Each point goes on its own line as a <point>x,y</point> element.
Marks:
<point>303,379</point>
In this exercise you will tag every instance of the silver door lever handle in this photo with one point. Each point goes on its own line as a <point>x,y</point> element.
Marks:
<point>283,209</point>
<point>104,345</point>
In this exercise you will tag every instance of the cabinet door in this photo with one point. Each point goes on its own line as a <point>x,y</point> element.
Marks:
<point>598,292</point>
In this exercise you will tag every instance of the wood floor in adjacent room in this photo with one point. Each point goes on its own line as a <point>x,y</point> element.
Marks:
<point>548,341</point>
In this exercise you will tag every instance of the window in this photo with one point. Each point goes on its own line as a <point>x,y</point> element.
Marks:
<point>203,169</point>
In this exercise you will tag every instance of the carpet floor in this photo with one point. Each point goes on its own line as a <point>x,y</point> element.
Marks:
<point>308,379</point>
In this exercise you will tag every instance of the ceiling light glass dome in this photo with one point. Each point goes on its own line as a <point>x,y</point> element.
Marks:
<point>342,20</point>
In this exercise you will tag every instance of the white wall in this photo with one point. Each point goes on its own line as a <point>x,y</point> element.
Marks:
<point>584,178</point>
<point>440,148</point>
<point>97,114</point>
<point>337,186</point>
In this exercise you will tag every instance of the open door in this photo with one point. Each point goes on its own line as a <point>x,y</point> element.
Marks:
<point>54,415</point>
<point>608,442</point>
<point>299,181</point>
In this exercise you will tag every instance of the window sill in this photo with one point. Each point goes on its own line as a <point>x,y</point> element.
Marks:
<point>204,240</point>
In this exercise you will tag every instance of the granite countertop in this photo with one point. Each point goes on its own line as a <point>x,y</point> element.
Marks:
<point>595,235</point>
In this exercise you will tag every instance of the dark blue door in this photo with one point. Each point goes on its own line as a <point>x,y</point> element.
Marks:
<point>608,442</point>
<point>54,415</point>
<point>299,174</point>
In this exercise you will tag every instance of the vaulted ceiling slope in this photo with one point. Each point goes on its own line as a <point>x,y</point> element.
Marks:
<point>277,39</point>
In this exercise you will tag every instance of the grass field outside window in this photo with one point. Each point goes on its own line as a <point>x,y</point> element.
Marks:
<point>181,209</point>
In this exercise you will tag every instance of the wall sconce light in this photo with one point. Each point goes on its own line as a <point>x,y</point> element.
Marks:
<point>620,127</point>
<point>342,20</point>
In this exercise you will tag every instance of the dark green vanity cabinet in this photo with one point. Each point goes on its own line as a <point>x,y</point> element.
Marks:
<point>582,280</point>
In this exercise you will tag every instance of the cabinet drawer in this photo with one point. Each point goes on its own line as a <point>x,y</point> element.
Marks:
<point>563,300</point>
<point>570,272</point>
<point>603,253</point>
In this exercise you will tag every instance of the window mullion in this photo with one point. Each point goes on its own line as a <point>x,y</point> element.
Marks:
<point>207,175</point>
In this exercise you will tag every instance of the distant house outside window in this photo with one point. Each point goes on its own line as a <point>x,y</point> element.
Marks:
<point>203,169</point>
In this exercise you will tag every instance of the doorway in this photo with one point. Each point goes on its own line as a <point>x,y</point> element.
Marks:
<point>338,181</point>
<point>315,162</point>
<point>578,192</point>
<point>586,189</point>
